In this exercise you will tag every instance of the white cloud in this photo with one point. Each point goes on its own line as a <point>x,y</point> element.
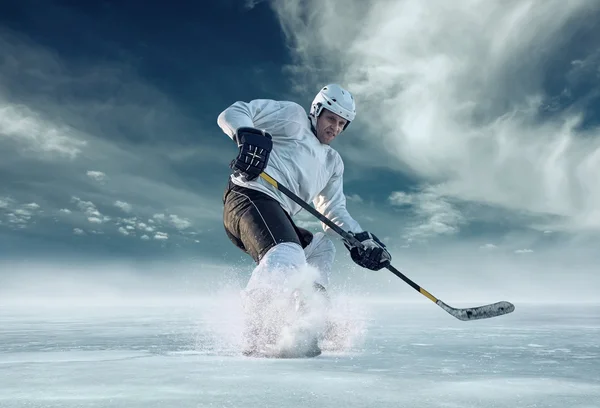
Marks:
<point>97,175</point>
<point>401,198</point>
<point>179,223</point>
<point>65,211</point>
<point>34,133</point>
<point>488,246</point>
<point>123,206</point>
<point>173,219</point>
<point>86,207</point>
<point>67,120</point>
<point>433,214</point>
<point>354,198</point>
<point>129,221</point>
<point>161,236</point>
<point>91,212</point>
<point>18,215</point>
<point>24,213</point>
<point>456,89</point>
<point>78,231</point>
<point>15,219</point>
<point>523,251</point>
<point>145,237</point>
<point>250,4</point>
<point>144,227</point>
<point>123,231</point>
<point>583,69</point>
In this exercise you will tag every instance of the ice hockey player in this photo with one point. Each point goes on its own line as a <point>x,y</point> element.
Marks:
<point>280,138</point>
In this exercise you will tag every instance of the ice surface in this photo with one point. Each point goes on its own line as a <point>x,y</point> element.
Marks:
<point>392,355</point>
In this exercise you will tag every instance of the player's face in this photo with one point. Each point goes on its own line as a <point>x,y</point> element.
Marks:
<point>329,125</point>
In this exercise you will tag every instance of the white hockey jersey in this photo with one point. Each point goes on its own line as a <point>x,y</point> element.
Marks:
<point>311,170</point>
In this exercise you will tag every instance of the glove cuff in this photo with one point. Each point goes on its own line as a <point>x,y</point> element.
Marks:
<point>255,138</point>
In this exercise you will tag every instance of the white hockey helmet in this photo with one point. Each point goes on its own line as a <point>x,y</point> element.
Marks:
<point>336,99</point>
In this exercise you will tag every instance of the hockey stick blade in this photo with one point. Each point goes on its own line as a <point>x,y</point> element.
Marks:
<point>473,313</point>
<point>480,312</point>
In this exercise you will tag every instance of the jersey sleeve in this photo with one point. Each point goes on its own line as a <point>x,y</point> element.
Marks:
<point>258,113</point>
<point>331,202</point>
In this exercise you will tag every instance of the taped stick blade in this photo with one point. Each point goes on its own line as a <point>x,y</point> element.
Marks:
<point>480,312</point>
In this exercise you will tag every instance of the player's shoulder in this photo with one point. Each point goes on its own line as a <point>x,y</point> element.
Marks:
<point>285,109</point>
<point>336,159</point>
<point>293,108</point>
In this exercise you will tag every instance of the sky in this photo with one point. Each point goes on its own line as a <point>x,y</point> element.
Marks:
<point>474,156</point>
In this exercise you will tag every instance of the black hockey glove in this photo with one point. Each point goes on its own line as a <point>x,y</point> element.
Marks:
<point>372,255</point>
<point>255,147</point>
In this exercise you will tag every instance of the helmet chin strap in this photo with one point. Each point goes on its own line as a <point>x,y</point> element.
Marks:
<point>312,126</point>
<point>313,119</point>
<point>313,116</point>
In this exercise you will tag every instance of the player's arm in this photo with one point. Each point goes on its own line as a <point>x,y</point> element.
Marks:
<point>331,202</point>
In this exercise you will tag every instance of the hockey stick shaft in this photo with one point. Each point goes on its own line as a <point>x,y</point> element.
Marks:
<point>344,234</point>
<point>481,312</point>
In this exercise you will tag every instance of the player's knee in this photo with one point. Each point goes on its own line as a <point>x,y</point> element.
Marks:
<point>285,254</point>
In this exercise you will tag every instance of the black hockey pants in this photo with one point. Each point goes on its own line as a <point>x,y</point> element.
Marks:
<point>255,222</point>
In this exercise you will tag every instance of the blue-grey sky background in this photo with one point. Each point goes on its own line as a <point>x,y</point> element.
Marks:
<point>475,153</point>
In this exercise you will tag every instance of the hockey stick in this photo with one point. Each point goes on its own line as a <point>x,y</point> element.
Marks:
<point>467,314</point>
